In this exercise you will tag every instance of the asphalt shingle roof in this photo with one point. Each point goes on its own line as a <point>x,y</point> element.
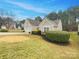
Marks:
<point>34,22</point>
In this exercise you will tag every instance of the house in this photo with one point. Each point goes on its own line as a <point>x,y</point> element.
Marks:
<point>18,26</point>
<point>45,25</point>
<point>10,25</point>
<point>3,27</point>
<point>31,25</point>
<point>50,25</point>
<point>77,19</point>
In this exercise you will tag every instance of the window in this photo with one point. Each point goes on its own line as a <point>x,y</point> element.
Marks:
<point>46,29</point>
<point>55,26</point>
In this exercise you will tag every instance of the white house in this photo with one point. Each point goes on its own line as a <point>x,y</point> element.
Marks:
<point>31,25</point>
<point>49,25</point>
<point>3,27</point>
<point>77,20</point>
<point>6,25</point>
<point>45,25</point>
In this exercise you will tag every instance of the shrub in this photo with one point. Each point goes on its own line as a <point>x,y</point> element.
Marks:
<point>3,30</point>
<point>36,32</point>
<point>58,36</point>
<point>78,33</point>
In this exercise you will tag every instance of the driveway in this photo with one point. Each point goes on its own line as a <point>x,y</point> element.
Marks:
<point>13,37</point>
<point>13,33</point>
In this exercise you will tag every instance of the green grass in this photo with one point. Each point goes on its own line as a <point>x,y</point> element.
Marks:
<point>37,48</point>
<point>74,38</point>
<point>74,35</point>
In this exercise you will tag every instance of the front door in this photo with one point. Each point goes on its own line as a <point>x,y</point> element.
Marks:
<point>46,29</point>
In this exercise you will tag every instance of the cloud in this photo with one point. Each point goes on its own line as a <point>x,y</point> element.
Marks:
<point>29,7</point>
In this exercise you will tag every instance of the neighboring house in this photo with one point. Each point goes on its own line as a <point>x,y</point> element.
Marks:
<point>10,25</point>
<point>77,19</point>
<point>19,25</point>
<point>7,23</point>
<point>49,25</point>
<point>3,27</point>
<point>31,25</point>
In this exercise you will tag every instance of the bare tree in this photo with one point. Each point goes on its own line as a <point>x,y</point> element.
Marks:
<point>6,18</point>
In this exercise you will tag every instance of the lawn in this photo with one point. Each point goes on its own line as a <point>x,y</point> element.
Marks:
<point>13,38</point>
<point>74,39</point>
<point>38,48</point>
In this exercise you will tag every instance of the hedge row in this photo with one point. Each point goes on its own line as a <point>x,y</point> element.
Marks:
<point>3,30</point>
<point>78,33</point>
<point>58,36</point>
<point>36,32</point>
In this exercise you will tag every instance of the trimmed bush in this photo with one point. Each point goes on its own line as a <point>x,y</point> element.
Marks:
<point>58,36</point>
<point>78,33</point>
<point>36,32</point>
<point>3,30</point>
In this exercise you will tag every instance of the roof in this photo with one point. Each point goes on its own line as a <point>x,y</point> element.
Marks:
<point>34,22</point>
<point>55,22</point>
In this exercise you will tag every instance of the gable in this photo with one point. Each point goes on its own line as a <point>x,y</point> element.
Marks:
<point>27,23</point>
<point>46,22</point>
<point>56,23</point>
<point>34,22</point>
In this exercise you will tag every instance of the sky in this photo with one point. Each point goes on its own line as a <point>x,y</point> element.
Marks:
<point>31,8</point>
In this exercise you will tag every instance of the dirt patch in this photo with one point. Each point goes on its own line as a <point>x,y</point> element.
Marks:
<point>13,38</point>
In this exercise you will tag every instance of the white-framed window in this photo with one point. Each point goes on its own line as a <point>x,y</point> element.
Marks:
<point>46,29</point>
<point>55,26</point>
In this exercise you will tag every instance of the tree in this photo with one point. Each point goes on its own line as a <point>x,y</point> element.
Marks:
<point>8,21</point>
<point>6,18</point>
<point>68,17</point>
<point>60,14</point>
<point>29,19</point>
<point>74,11</point>
<point>1,21</point>
<point>22,22</point>
<point>52,16</point>
<point>4,13</point>
<point>38,18</point>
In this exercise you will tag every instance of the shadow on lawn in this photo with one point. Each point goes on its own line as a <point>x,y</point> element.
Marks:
<point>57,43</point>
